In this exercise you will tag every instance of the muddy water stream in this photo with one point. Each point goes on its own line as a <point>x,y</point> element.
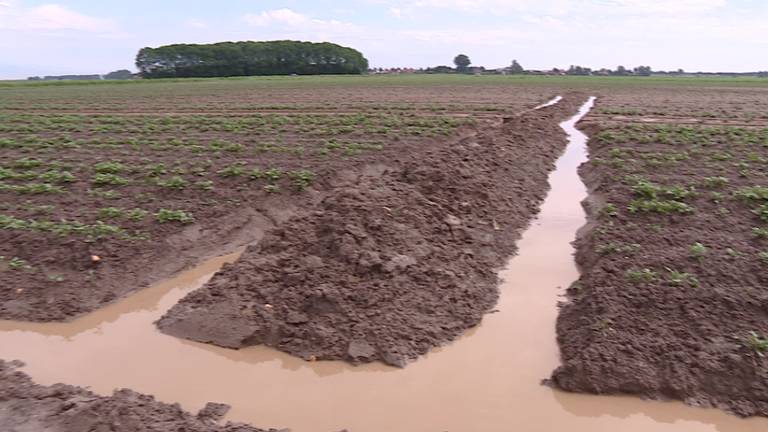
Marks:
<point>486,381</point>
<point>550,102</point>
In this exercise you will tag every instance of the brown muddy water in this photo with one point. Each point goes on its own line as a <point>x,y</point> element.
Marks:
<point>550,102</point>
<point>489,380</point>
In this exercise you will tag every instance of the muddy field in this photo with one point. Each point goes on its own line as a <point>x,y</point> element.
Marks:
<point>375,217</point>
<point>672,300</point>
<point>95,206</point>
<point>401,256</point>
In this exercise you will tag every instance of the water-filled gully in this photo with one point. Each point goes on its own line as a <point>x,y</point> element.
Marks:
<point>550,102</point>
<point>488,380</point>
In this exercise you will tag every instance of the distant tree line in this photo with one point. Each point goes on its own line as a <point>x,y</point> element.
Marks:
<point>65,78</point>
<point>462,63</point>
<point>122,74</point>
<point>620,71</point>
<point>249,58</point>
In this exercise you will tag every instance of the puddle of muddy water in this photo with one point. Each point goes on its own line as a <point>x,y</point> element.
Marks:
<point>486,381</point>
<point>551,102</point>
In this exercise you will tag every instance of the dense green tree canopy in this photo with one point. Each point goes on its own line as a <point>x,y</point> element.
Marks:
<point>643,71</point>
<point>462,62</point>
<point>516,68</point>
<point>249,58</point>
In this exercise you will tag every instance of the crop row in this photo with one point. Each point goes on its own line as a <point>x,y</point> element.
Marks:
<point>684,135</point>
<point>217,145</point>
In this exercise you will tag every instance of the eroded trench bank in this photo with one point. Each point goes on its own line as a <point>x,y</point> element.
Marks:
<point>488,380</point>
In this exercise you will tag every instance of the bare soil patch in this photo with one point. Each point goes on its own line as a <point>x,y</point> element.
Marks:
<point>399,257</point>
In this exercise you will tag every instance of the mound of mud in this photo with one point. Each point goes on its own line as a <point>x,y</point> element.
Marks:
<point>398,258</point>
<point>26,406</point>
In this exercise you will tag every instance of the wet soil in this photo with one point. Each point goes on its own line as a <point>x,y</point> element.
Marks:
<point>26,406</point>
<point>502,360</point>
<point>399,257</point>
<point>653,314</point>
<point>59,279</point>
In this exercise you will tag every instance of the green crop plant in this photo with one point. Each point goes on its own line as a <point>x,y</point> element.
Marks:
<point>62,228</point>
<point>271,188</point>
<point>7,174</point>
<point>53,176</point>
<point>610,210</point>
<point>659,206</point>
<point>16,263</point>
<point>302,179</point>
<point>617,153</point>
<point>758,344</point>
<point>651,191</point>
<point>763,257</point>
<point>179,170</point>
<point>232,171</point>
<point>109,167</point>
<point>33,208</point>
<point>27,163</point>
<point>642,276</point>
<point>256,174</point>
<point>753,193</point>
<point>166,215</point>
<point>721,156</point>
<point>206,185</point>
<point>698,251</point>
<point>111,213</point>
<point>135,214</point>
<point>762,212</point>
<point>677,278</point>
<point>31,188</point>
<point>273,174</point>
<point>760,232</point>
<point>175,182</point>
<point>715,182</point>
<point>108,179</point>
<point>156,170</point>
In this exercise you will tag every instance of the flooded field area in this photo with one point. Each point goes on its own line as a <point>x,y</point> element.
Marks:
<point>487,380</point>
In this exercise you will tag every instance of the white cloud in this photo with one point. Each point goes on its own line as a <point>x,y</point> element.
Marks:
<point>668,6</point>
<point>560,7</point>
<point>277,16</point>
<point>297,23</point>
<point>16,16</point>
<point>196,23</point>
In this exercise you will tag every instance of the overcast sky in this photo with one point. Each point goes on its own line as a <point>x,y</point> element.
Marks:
<point>87,36</point>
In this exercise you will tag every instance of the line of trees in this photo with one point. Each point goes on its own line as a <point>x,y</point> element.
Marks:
<point>122,74</point>
<point>620,71</point>
<point>463,63</point>
<point>249,58</point>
